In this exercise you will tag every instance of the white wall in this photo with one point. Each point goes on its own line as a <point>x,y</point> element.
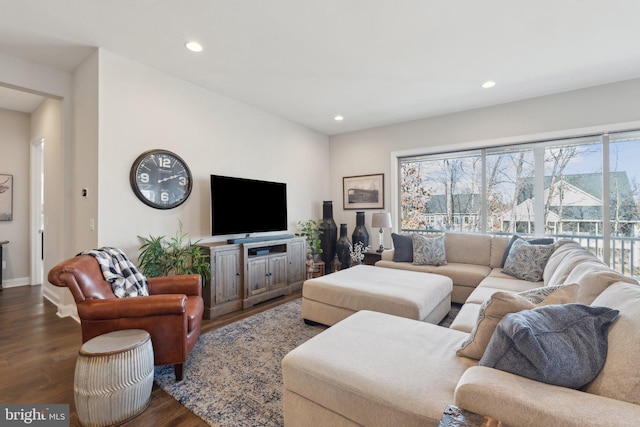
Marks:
<point>37,78</point>
<point>84,156</point>
<point>370,151</point>
<point>14,160</point>
<point>142,109</point>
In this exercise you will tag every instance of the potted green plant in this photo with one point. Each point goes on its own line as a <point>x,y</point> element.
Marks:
<point>178,255</point>
<point>311,230</point>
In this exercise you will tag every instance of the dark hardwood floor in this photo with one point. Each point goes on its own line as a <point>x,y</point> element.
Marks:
<point>39,351</point>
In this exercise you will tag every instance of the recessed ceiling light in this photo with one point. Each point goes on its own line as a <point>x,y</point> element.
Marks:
<point>338,118</point>
<point>488,84</point>
<point>193,46</point>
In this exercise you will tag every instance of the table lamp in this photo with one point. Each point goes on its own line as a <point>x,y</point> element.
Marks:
<point>381,220</point>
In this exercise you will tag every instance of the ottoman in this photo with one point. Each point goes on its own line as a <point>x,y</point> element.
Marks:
<point>113,377</point>
<point>414,295</point>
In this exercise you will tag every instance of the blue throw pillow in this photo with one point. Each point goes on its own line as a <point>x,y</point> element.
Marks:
<point>402,247</point>
<point>564,344</point>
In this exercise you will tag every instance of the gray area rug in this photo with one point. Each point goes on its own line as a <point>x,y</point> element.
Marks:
<point>233,376</point>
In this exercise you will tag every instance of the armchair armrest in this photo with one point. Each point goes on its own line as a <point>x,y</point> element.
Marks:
<point>118,308</point>
<point>520,401</point>
<point>187,284</point>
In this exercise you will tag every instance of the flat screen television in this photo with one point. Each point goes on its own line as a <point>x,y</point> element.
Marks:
<point>240,205</point>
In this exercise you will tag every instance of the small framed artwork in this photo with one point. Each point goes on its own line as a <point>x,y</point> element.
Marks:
<point>6,197</point>
<point>363,192</point>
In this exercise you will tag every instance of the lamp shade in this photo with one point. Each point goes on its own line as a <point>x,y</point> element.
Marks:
<point>381,220</point>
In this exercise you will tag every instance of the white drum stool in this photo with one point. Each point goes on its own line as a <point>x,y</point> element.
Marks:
<point>113,378</point>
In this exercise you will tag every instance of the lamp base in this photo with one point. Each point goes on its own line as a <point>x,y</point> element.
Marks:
<point>380,249</point>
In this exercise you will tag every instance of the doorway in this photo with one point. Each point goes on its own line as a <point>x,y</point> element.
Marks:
<point>37,211</point>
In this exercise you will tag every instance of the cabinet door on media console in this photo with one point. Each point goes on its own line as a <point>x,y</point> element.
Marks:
<point>278,271</point>
<point>227,275</point>
<point>257,276</point>
<point>265,273</point>
<point>297,262</point>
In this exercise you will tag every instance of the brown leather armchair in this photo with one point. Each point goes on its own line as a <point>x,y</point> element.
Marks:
<point>172,313</point>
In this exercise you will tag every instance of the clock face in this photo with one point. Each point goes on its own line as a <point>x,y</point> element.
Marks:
<point>161,179</point>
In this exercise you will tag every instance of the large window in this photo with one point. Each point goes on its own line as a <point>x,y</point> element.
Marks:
<point>584,188</point>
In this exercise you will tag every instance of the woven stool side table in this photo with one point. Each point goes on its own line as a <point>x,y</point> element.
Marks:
<point>113,378</point>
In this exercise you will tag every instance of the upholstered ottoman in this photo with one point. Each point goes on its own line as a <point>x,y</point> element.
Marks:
<point>373,369</point>
<point>414,295</point>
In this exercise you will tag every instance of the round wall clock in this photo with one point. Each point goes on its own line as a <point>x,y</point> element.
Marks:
<point>160,179</point>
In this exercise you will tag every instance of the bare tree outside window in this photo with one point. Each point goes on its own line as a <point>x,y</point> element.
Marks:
<point>446,192</point>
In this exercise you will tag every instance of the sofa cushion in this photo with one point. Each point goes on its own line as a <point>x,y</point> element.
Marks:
<point>463,274</point>
<point>498,249</point>
<point>566,255</point>
<point>620,376</point>
<point>403,247</point>
<point>538,241</point>
<point>468,248</point>
<point>502,303</point>
<point>526,261</point>
<point>428,250</point>
<point>564,345</point>
<point>593,277</point>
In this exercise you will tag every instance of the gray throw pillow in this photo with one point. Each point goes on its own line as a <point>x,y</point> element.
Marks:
<point>537,241</point>
<point>428,250</point>
<point>564,344</point>
<point>527,261</point>
<point>402,247</point>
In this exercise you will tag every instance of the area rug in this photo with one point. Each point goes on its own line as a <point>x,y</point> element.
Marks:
<point>233,376</point>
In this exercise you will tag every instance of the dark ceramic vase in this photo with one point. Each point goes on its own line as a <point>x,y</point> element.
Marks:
<point>360,234</point>
<point>343,248</point>
<point>329,236</point>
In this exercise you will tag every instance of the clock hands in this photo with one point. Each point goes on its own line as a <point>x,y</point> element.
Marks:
<point>168,178</point>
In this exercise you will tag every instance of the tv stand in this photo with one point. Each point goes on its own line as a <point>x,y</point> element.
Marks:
<point>248,239</point>
<point>246,273</point>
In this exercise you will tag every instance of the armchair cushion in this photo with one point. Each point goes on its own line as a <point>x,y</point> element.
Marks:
<point>156,305</point>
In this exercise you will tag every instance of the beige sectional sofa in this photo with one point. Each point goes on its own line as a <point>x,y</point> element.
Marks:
<point>375,369</point>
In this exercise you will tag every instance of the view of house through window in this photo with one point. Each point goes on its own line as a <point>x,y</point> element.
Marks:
<point>560,188</point>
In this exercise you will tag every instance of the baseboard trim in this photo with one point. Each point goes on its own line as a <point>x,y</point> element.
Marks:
<point>68,311</point>
<point>14,283</point>
<point>64,310</point>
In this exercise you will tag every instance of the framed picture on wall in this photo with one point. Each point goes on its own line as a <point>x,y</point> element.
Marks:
<point>6,197</point>
<point>363,191</point>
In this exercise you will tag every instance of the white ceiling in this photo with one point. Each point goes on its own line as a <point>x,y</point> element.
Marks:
<point>375,62</point>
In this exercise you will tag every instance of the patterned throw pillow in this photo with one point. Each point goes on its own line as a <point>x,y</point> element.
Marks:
<point>428,250</point>
<point>502,303</point>
<point>526,261</point>
<point>536,241</point>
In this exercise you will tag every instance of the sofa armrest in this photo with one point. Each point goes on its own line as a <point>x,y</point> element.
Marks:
<point>187,284</point>
<point>519,401</point>
<point>118,308</point>
<point>387,255</point>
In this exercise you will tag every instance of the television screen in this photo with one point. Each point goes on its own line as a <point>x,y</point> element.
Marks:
<point>240,205</point>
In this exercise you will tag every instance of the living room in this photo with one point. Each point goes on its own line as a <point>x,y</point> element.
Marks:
<point>99,116</point>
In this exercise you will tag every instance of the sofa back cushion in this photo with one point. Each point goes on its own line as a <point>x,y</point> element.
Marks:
<point>468,248</point>
<point>593,277</point>
<point>498,249</point>
<point>566,255</point>
<point>620,376</point>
